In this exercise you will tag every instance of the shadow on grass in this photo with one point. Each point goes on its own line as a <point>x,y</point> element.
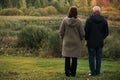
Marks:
<point>8,75</point>
<point>106,75</point>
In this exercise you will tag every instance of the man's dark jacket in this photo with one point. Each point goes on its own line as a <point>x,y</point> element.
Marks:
<point>96,30</point>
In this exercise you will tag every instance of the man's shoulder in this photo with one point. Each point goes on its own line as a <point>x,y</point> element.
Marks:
<point>89,19</point>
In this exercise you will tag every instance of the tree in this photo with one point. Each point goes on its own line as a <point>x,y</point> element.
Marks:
<point>55,3</point>
<point>98,2</point>
<point>63,6</point>
<point>16,3</point>
<point>4,3</point>
<point>89,2</point>
<point>37,3</point>
<point>86,2</point>
<point>104,3</point>
<point>70,2</point>
<point>10,3</point>
<point>93,2</point>
<point>115,3</point>
<point>44,3</point>
<point>23,2</point>
<point>29,3</point>
<point>77,3</point>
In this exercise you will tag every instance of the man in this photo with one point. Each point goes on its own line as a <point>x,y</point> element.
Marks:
<point>96,30</point>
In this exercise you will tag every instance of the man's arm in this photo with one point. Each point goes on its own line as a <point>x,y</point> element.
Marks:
<point>86,29</point>
<point>106,32</point>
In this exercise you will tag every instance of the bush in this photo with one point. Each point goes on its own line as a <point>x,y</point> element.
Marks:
<point>114,17</point>
<point>85,11</point>
<point>112,50</point>
<point>112,47</point>
<point>51,10</point>
<point>33,37</point>
<point>42,11</point>
<point>29,11</point>
<point>111,13</point>
<point>11,12</point>
<point>55,44</point>
<point>41,38</point>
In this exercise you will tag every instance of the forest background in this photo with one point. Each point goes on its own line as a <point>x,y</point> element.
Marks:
<point>52,7</point>
<point>30,27</point>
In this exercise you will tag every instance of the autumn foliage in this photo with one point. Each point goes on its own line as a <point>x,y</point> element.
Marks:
<point>104,3</point>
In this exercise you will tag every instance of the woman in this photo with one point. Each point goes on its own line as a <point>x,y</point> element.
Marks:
<point>72,32</point>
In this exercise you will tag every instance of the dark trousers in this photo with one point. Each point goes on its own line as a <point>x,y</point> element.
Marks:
<point>95,55</point>
<point>70,68</point>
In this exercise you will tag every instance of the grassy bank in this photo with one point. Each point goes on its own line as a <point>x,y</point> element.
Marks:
<point>29,68</point>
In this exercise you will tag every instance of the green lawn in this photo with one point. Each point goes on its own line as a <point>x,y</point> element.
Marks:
<point>31,68</point>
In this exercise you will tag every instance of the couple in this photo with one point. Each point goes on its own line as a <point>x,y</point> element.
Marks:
<point>72,32</point>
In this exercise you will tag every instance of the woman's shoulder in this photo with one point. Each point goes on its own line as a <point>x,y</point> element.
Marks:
<point>73,19</point>
<point>65,18</point>
<point>78,18</point>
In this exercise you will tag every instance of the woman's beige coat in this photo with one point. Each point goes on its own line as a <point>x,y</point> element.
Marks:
<point>72,32</point>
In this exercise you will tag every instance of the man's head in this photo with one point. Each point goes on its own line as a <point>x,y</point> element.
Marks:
<point>96,9</point>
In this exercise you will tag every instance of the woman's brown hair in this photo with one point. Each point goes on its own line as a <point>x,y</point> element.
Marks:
<point>72,12</point>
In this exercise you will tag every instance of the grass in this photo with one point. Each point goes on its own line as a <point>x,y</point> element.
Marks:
<point>34,68</point>
<point>54,17</point>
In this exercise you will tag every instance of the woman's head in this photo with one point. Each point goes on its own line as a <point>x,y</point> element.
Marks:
<point>72,12</point>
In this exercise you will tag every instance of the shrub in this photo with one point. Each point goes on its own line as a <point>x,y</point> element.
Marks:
<point>85,11</point>
<point>41,38</point>
<point>10,27</point>
<point>2,36</point>
<point>42,11</point>
<point>111,13</point>
<point>33,37</point>
<point>11,11</point>
<point>112,47</point>
<point>114,17</point>
<point>29,11</point>
<point>55,44</point>
<point>51,10</point>
<point>109,9</point>
<point>112,50</point>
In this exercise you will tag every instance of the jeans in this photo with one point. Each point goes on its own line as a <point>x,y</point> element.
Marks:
<point>70,68</point>
<point>95,54</point>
